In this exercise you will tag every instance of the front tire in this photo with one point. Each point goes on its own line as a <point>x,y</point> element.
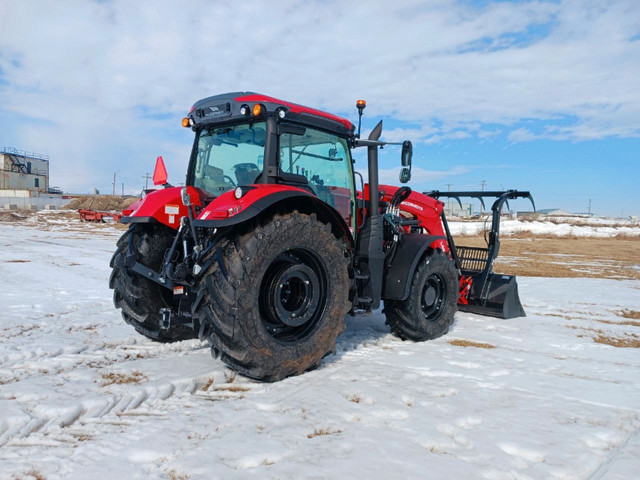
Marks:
<point>139,298</point>
<point>429,310</point>
<point>273,300</point>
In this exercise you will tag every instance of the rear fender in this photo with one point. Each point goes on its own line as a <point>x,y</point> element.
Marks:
<point>227,210</point>
<point>164,206</point>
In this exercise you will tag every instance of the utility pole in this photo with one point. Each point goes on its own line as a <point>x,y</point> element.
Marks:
<point>113,193</point>
<point>123,189</point>
<point>484,182</point>
<point>589,207</point>
<point>146,180</point>
<point>449,200</point>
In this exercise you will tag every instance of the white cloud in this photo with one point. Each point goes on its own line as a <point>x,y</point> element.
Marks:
<point>91,73</point>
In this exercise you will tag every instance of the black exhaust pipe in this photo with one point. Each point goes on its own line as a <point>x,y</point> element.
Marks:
<point>370,236</point>
<point>372,156</point>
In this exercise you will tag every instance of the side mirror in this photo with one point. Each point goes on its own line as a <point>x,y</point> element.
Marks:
<point>160,172</point>
<point>405,175</point>
<point>407,153</point>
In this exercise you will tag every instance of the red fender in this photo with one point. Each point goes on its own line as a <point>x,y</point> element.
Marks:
<point>228,210</point>
<point>164,206</point>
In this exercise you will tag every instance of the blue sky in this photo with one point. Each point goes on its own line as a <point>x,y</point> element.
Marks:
<point>537,95</point>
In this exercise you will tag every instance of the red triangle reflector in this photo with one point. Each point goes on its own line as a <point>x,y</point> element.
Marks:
<point>160,172</point>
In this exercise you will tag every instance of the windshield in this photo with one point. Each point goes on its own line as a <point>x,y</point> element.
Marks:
<point>229,156</point>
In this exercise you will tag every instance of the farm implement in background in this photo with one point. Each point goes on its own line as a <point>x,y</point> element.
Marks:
<point>98,216</point>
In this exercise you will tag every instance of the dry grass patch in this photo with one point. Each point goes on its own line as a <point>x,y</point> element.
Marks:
<point>173,475</point>
<point>353,398</point>
<point>565,257</point>
<point>623,322</point>
<point>634,314</point>
<point>207,385</point>
<point>33,473</point>
<point>628,342</point>
<point>231,388</point>
<point>17,261</point>
<point>321,431</point>
<point>121,378</point>
<point>468,343</point>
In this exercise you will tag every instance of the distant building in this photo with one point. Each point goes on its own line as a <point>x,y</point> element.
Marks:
<point>553,212</point>
<point>23,171</point>
<point>453,209</point>
<point>24,181</point>
<point>558,212</point>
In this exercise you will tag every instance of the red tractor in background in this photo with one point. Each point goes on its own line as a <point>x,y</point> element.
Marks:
<point>270,244</point>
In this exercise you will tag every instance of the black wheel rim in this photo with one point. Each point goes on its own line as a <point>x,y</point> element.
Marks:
<point>434,296</point>
<point>293,295</point>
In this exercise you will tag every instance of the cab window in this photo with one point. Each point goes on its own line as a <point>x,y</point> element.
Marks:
<point>324,160</point>
<point>229,156</point>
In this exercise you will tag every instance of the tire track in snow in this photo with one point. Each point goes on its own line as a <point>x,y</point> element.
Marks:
<point>90,422</point>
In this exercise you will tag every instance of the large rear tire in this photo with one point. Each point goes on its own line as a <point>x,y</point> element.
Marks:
<point>139,298</point>
<point>429,310</point>
<point>273,300</point>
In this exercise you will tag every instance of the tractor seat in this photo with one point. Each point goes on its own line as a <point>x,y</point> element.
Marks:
<point>214,181</point>
<point>246,173</point>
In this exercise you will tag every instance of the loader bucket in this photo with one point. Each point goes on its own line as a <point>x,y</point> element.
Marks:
<point>500,300</point>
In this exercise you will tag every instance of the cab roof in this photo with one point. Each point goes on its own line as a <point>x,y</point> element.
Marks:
<point>228,107</point>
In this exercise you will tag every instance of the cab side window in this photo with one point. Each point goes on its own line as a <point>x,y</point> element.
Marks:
<point>323,159</point>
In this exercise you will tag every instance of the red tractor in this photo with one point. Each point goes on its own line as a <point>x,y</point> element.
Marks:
<point>270,244</point>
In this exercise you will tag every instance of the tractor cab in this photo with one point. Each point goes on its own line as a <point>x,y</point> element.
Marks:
<point>246,139</point>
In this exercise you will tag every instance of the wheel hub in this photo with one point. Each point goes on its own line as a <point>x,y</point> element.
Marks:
<point>433,297</point>
<point>294,294</point>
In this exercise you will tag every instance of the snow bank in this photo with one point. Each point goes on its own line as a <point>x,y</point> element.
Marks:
<point>595,228</point>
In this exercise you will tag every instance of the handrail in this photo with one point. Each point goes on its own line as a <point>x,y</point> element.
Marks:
<point>23,153</point>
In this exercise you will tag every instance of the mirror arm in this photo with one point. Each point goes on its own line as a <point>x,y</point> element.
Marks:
<point>369,143</point>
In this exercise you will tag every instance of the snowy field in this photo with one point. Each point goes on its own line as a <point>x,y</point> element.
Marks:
<point>556,226</point>
<point>82,396</point>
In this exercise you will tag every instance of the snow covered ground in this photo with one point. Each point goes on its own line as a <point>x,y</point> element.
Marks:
<point>83,396</point>
<point>561,227</point>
